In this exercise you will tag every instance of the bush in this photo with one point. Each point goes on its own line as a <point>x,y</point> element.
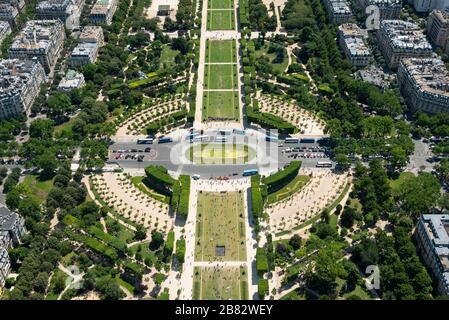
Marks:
<point>256,197</point>
<point>282,178</point>
<point>268,120</point>
<point>180,250</point>
<point>168,247</point>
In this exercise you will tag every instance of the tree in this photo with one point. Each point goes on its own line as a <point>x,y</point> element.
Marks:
<point>42,129</point>
<point>58,104</point>
<point>347,217</point>
<point>295,242</point>
<point>157,239</point>
<point>48,164</point>
<point>365,253</point>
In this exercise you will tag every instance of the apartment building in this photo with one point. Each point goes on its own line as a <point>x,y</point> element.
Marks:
<point>400,39</point>
<point>68,11</point>
<point>429,5</point>
<point>338,11</point>
<point>91,39</point>
<point>424,84</point>
<point>438,29</point>
<point>20,83</point>
<point>5,29</point>
<point>352,41</point>
<point>103,11</point>
<point>8,13</point>
<point>42,39</point>
<point>5,266</point>
<point>432,234</point>
<point>388,9</point>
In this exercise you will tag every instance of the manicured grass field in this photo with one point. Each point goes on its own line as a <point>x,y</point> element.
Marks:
<point>228,283</point>
<point>220,153</point>
<point>278,64</point>
<point>219,51</point>
<point>221,105</point>
<point>37,188</point>
<point>220,222</point>
<point>220,76</point>
<point>220,4</point>
<point>294,186</point>
<point>167,58</point>
<point>220,20</point>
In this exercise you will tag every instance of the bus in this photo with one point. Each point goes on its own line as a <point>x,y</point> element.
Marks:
<point>291,140</point>
<point>307,140</point>
<point>324,164</point>
<point>165,140</point>
<point>239,131</point>
<point>249,172</point>
<point>192,135</point>
<point>201,138</point>
<point>145,141</point>
<point>271,138</point>
<point>225,132</point>
<point>221,139</point>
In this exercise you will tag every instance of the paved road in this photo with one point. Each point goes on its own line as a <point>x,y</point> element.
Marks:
<point>163,157</point>
<point>419,157</point>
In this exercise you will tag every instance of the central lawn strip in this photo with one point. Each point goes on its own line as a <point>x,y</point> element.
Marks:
<point>219,105</point>
<point>220,222</point>
<point>220,76</point>
<point>219,51</point>
<point>220,4</point>
<point>229,283</point>
<point>220,20</point>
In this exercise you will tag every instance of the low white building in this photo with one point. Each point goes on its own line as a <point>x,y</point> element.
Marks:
<point>72,80</point>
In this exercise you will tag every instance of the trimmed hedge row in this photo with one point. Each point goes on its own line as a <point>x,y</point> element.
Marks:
<point>180,250</point>
<point>160,180</point>
<point>156,126</point>
<point>256,197</point>
<point>280,179</point>
<point>261,261</point>
<point>270,121</point>
<point>168,246</point>
<point>183,208</point>
<point>244,14</point>
<point>93,244</point>
<point>107,238</point>
<point>262,288</point>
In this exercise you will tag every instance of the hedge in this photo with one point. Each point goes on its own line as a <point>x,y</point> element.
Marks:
<point>270,121</point>
<point>107,238</point>
<point>256,197</point>
<point>168,246</point>
<point>183,208</point>
<point>180,250</point>
<point>160,180</point>
<point>261,261</point>
<point>176,192</point>
<point>280,179</point>
<point>262,288</point>
<point>93,244</point>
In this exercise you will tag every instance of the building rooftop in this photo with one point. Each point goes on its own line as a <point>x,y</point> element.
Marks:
<point>431,77</point>
<point>4,258</point>
<point>71,80</point>
<point>353,37</point>
<point>15,74</point>
<point>84,48</point>
<point>101,7</point>
<point>91,33</point>
<point>4,27</point>
<point>7,219</point>
<point>437,229</point>
<point>37,34</point>
<point>384,3</point>
<point>53,5</point>
<point>405,35</point>
<point>442,16</point>
<point>340,7</point>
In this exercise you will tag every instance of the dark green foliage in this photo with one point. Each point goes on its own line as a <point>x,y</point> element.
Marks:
<point>280,179</point>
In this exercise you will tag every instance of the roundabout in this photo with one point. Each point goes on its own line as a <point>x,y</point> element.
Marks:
<point>216,153</point>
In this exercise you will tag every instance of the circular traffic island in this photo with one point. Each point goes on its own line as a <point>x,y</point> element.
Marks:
<point>220,153</point>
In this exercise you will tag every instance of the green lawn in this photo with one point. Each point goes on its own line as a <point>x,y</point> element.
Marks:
<point>278,66</point>
<point>219,51</point>
<point>220,76</point>
<point>220,222</point>
<point>220,153</point>
<point>220,20</point>
<point>145,251</point>
<point>123,233</point>
<point>220,4</point>
<point>64,128</point>
<point>294,186</point>
<point>167,58</point>
<point>36,188</point>
<point>221,105</point>
<point>395,184</point>
<point>222,284</point>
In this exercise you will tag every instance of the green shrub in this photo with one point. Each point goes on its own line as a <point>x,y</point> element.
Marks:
<point>280,179</point>
<point>262,288</point>
<point>261,261</point>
